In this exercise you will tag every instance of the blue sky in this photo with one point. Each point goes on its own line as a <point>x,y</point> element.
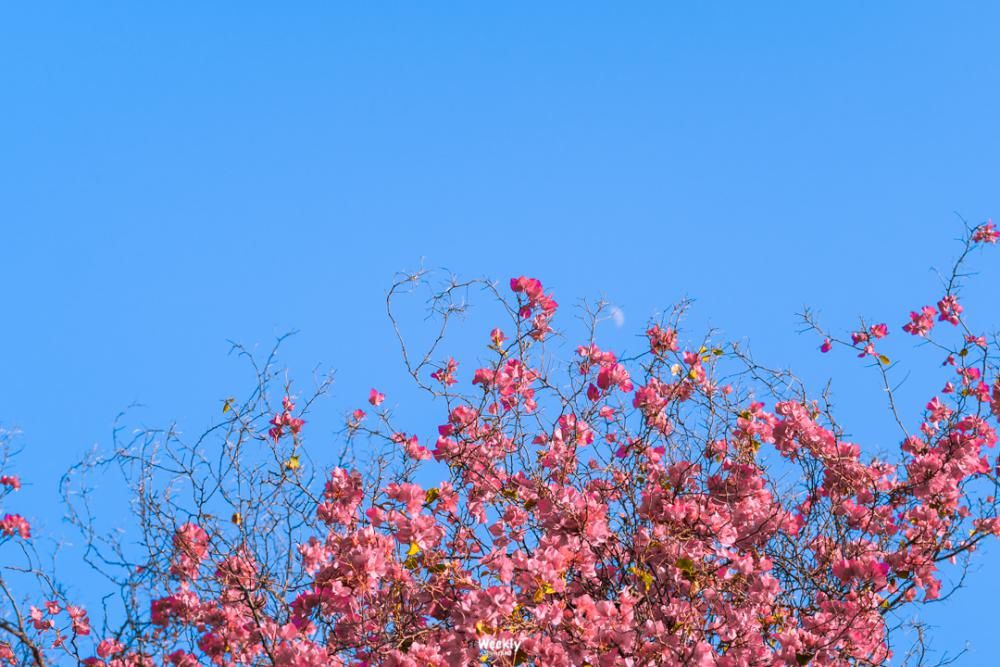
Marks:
<point>176,175</point>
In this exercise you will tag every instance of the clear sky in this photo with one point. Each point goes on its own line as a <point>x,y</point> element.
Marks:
<point>173,175</point>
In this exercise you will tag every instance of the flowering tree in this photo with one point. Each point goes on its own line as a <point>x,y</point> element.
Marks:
<point>686,506</point>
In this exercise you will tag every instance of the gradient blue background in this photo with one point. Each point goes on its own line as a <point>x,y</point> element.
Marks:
<point>173,175</point>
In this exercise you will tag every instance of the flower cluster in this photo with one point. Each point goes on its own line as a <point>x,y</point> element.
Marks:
<point>537,306</point>
<point>12,525</point>
<point>284,419</point>
<point>675,506</point>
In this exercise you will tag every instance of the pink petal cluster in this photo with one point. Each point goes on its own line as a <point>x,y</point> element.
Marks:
<point>921,322</point>
<point>986,233</point>
<point>284,419</point>
<point>640,509</point>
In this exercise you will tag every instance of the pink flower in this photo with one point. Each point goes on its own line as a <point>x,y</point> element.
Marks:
<point>446,375</point>
<point>921,322</point>
<point>969,374</point>
<point>497,337</point>
<point>12,524</point>
<point>979,341</point>
<point>950,309</point>
<point>79,621</point>
<point>409,494</point>
<point>986,233</point>
<point>38,620</point>
<point>375,397</point>
<point>190,549</point>
<point>285,419</point>
<point>614,375</point>
<point>662,340</point>
<point>532,287</point>
<point>937,410</point>
<point>109,647</point>
<point>826,346</point>
<point>539,307</point>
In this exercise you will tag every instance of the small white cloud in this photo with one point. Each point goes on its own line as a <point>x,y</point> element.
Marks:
<point>617,316</point>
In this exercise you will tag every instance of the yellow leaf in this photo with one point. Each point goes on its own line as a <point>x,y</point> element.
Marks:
<point>293,462</point>
<point>543,589</point>
<point>237,518</point>
<point>685,564</point>
<point>413,550</point>
<point>480,628</point>
<point>227,405</point>
<point>644,576</point>
<point>884,359</point>
<point>431,495</point>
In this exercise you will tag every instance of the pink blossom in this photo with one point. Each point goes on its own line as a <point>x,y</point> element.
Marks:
<point>921,322</point>
<point>497,337</point>
<point>446,375</point>
<point>986,233</point>
<point>284,419</point>
<point>15,524</point>
<point>950,309</point>
<point>662,340</point>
